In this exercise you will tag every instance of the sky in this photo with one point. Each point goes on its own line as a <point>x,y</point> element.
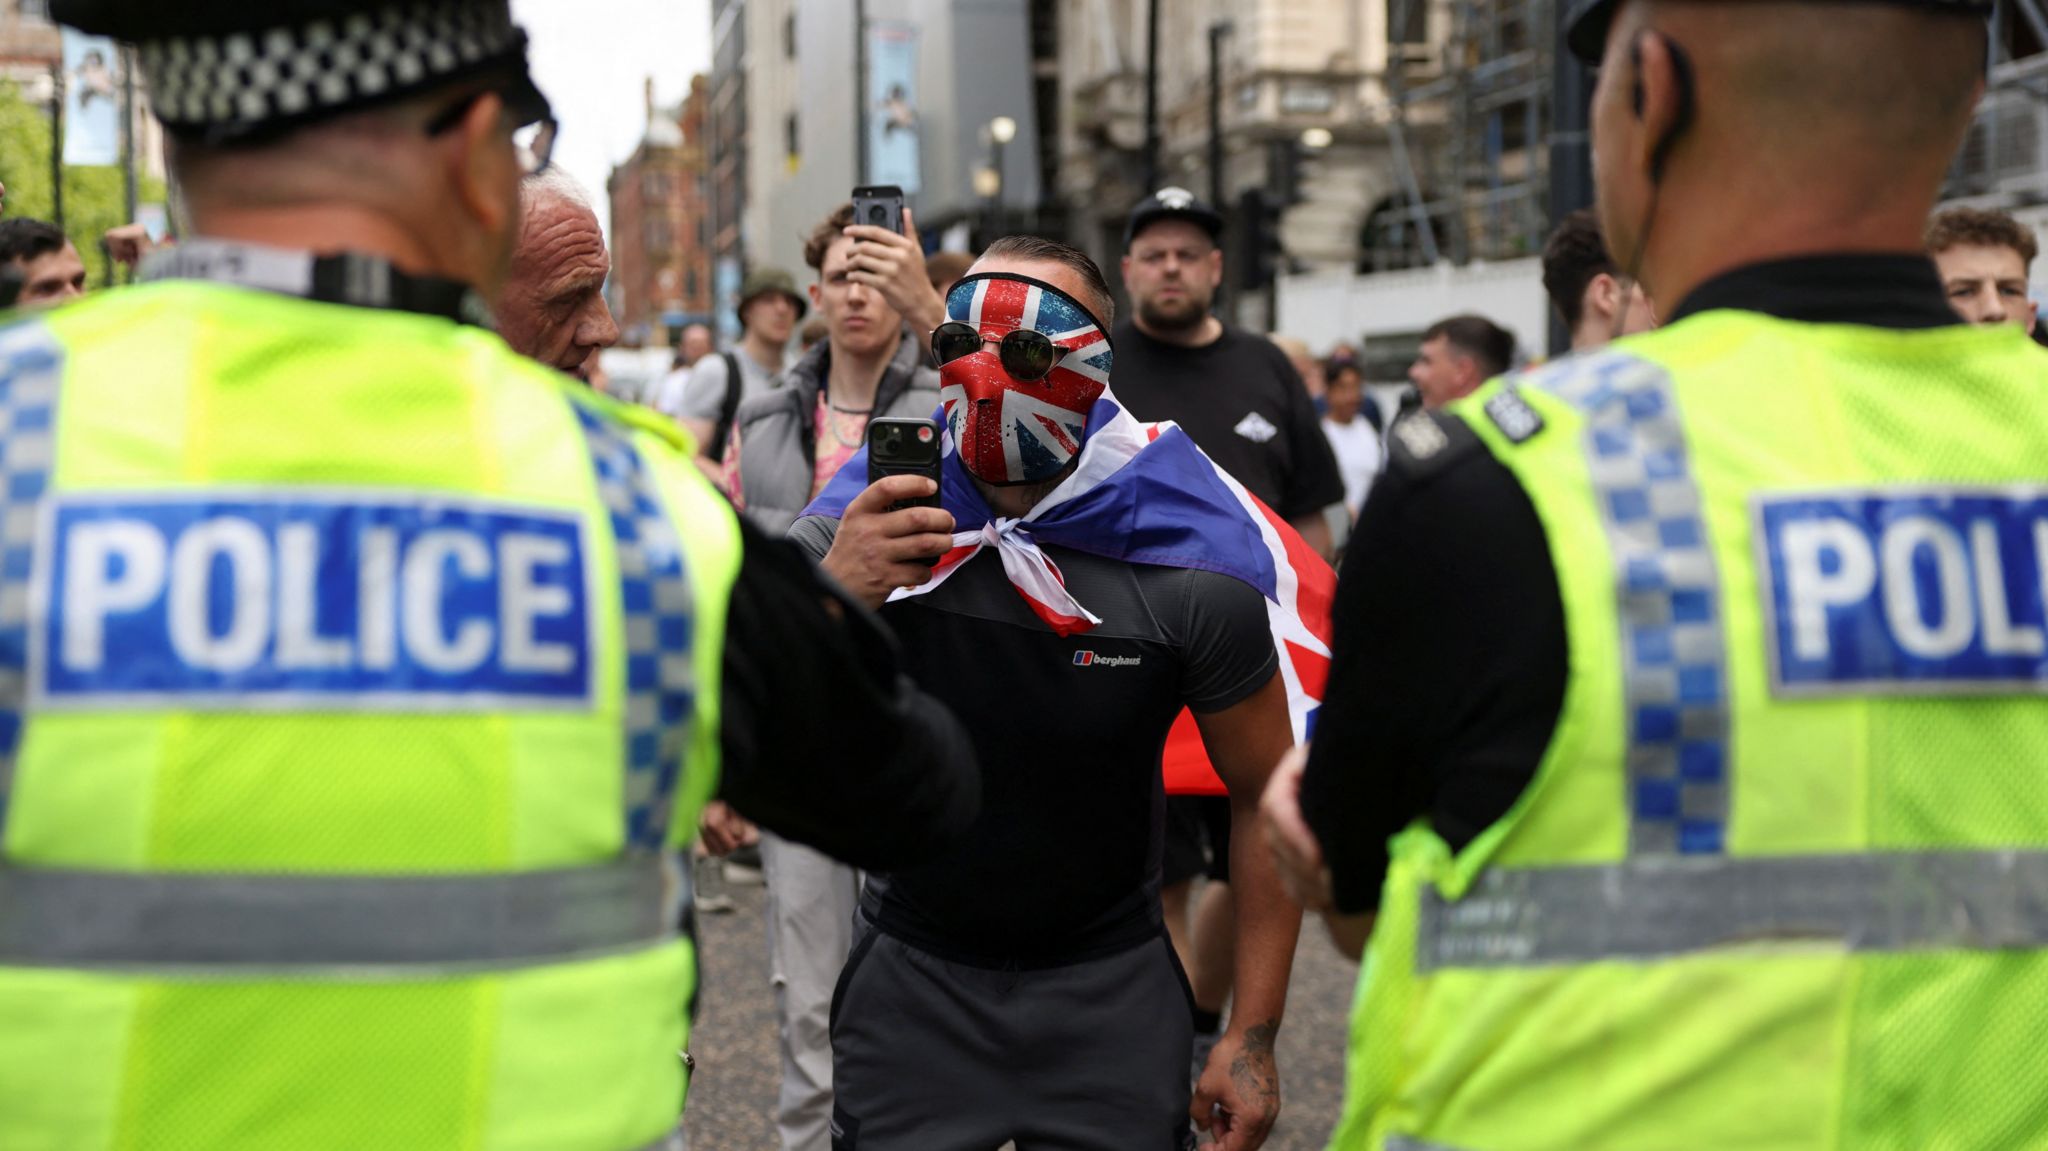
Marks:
<point>592,57</point>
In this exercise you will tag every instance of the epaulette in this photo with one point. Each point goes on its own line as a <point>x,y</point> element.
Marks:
<point>1424,443</point>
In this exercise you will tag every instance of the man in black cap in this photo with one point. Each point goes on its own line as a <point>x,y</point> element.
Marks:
<point>1642,761</point>
<point>1242,402</point>
<point>387,668</point>
<point>1230,390</point>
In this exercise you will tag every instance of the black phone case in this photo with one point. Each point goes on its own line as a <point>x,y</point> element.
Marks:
<point>926,468</point>
<point>887,197</point>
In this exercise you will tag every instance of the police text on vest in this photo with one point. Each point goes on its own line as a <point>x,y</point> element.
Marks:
<point>358,601</point>
<point>1919,589</point>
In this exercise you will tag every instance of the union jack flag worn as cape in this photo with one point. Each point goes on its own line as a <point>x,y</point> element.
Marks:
<point>1143,493</point>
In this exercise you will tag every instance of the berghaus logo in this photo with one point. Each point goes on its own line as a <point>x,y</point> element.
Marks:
<point>1090,659</point>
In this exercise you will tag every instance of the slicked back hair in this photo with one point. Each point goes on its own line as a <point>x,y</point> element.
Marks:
<point>1040,249</point>
<point>1480,338</point>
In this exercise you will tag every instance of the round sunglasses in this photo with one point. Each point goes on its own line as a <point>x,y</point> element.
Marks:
<point>1026,355</point>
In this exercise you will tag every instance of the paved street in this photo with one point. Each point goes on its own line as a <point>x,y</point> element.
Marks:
<point>732,1098</point>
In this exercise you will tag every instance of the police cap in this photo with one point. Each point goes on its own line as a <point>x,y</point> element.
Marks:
<point>1586,29</point>
<point>233,70</point>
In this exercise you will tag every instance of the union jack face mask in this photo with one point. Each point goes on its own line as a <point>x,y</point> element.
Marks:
<point>1020,364</point>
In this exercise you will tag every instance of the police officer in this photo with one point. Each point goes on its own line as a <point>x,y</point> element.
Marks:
<point>358,678</point>
<point>1686,725</point>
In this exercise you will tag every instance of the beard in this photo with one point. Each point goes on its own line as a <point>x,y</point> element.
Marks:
<point>1178,316</point>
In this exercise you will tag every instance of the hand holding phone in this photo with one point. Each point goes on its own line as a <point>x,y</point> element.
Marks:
<point>889,537</point>
<point>888,257</point>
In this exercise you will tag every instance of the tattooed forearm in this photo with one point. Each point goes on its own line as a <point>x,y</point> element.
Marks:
<point>1253,1072</point>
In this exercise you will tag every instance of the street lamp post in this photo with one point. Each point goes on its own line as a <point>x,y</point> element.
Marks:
<point>1001,131</point>
<point>988,184</point>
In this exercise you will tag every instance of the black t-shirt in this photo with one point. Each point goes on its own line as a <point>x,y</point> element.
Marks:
<point>1449,665</point>
<point>1240,401</point>
<point>1064,860</point>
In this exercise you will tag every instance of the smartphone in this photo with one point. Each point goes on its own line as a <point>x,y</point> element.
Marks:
<point>898,446</point>
<point>880,205</point>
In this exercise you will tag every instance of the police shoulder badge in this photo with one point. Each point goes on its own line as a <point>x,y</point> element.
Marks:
<point>1513,416</point>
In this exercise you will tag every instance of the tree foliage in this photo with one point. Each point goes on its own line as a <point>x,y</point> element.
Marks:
<point>93,197</point>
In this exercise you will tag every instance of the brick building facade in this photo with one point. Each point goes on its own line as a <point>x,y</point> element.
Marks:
<point>661,256</point>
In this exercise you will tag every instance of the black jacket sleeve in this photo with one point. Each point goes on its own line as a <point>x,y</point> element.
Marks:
<point>824,740</point>
<point>1448,665</point>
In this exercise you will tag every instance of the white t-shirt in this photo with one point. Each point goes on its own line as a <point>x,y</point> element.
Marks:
<point>1359,457</point>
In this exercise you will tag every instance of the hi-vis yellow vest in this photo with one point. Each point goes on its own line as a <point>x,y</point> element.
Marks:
<point>356,678</point>
<point>1781,880</point>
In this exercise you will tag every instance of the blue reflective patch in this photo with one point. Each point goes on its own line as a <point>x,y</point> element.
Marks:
<point>1700,762</point>
<point>1913,590</point>
<point>1656,799</point>
<point>1628,505</point>
<point>325,600</point>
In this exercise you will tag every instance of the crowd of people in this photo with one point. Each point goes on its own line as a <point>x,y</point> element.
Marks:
<point>1660,722</point>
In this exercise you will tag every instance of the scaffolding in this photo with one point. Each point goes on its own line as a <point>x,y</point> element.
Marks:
<point>1471,144</point>
<point>2004,159</point>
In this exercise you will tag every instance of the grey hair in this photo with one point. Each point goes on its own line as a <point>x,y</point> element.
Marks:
<point>552,183</point>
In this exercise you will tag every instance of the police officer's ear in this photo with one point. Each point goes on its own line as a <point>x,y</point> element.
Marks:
<point>483,165</point>
<point>1662,97</point>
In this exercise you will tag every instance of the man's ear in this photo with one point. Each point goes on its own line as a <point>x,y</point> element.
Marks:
<point>817,294</point>
<point>1662,99</point>
<point>1214,262</point>
<point>1123,267</point>
<point>482,163</point>
<point>1603,296</point>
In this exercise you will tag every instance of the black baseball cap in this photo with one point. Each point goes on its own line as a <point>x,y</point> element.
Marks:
<point>1586,30</point>
<point>1173,204</point>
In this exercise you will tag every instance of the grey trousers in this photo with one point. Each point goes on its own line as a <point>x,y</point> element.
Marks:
<point>811,900</point>
<point>932,1055</point>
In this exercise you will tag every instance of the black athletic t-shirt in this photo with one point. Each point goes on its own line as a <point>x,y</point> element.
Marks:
<point>1063,862</point>
<point>1241,402</point>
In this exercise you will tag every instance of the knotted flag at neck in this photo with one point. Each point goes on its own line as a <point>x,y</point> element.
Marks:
<point>1140,493</point>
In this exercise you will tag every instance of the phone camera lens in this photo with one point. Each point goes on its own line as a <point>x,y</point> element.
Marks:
<point>876,215</point>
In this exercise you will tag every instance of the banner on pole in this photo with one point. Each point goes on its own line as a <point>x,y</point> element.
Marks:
<point>894,121</point>
<point>92,101</point>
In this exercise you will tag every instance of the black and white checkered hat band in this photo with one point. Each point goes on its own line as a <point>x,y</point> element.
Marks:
<point>288,74</point>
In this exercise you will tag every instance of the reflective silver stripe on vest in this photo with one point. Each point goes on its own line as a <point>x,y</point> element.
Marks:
<point>1404,1143</point>
<point>1673,654</point>
<point>1652,908</point>
<point>90,918</point>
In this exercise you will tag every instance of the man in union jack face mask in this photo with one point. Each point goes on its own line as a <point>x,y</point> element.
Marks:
<point>1133,582</point>
<point>1011,430</point>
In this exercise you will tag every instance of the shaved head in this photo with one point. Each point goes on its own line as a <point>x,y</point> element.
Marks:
<point>1840,80</point>
<point>1814,126</point>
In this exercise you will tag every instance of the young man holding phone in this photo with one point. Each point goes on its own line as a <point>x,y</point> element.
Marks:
<point>1022,988</point>
<point>785,445</point>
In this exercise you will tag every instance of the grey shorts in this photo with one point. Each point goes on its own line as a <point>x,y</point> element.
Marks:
<point>934,1055</point>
